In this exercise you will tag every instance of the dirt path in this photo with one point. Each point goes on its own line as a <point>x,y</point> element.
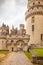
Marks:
<point>16,59</point>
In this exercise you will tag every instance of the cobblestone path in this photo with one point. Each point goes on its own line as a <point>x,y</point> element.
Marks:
<point>18,58</point>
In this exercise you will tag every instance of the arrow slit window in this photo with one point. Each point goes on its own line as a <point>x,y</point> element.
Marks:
<point>32,27</point>
<point>41,37</point>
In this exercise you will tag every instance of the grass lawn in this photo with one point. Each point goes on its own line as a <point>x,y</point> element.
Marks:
<point>4,52</point>
<point>3,57</point>
<point>28,54</point>
<point>38,51</point>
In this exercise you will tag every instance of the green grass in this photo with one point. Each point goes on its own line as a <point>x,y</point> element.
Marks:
<point>28,54</point>
<point>3,52</point>
<point>38,51</point>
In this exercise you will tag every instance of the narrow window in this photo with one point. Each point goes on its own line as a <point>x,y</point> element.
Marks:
<point>32,27</point>
<point>39,2</point>
<point>41,37</point>
<point>33,19</point>
<point>33,3</point>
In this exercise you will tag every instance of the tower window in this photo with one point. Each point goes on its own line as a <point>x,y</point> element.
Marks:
<point>41,37</point>
<point>39,2</point>
<point>32,27</point>
<point>33,19</point>
<point>33,3</point>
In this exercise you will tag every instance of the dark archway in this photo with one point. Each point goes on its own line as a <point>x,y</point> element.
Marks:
<point>20,45</point>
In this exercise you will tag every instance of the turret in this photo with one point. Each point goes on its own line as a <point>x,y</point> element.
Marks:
<point>22,29</point>
<point>34,21</point>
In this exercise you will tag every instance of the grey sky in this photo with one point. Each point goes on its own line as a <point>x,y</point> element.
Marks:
<point>12,12</point>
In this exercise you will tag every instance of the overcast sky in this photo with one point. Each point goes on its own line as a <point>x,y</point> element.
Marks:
<point>12,12</point>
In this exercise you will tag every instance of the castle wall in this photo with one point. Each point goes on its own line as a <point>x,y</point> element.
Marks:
<point>34,21</point>
<point>35,36</point>
<point>1,47</point>
<point>2,44</point>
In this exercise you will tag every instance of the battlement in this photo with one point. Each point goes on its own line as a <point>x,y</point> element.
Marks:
<point>34,7</point>
<point>4,30</point>
<point>34,18</point>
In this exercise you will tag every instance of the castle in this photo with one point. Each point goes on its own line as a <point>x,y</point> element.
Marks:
<point>34,21</point>
<point>14,39</point>
<point>19,39</point>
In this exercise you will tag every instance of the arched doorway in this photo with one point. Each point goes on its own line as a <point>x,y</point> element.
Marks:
<point>20,45</point>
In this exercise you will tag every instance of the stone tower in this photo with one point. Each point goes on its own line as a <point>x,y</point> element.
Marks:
<point>34,21</point>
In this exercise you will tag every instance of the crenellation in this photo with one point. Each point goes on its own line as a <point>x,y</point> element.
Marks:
<point>34,27</point>
<point>34,5</point>
<point>16,39</point>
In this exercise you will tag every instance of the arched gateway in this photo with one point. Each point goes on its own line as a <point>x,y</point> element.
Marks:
<point>20,44</point>
<point>17,43</point>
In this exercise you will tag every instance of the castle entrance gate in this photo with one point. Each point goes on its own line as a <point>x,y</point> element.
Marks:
<point>20,45</point>
<point>16,43</point>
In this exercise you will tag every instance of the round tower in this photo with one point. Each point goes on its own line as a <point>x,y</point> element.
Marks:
<point>34,21</point>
